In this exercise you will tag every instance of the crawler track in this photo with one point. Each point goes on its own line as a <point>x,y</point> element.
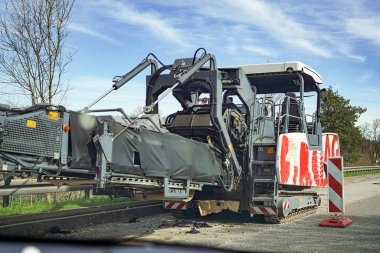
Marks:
<point>274,219</point>
<point>36,225</point>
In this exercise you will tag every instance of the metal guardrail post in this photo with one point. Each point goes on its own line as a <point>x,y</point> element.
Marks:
<point>5,201</point>
<point>86,194</point>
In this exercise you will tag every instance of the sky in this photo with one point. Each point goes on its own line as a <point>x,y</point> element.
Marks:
<point>339,39</point>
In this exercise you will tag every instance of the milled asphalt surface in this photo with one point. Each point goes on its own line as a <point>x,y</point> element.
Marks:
<point>242,233</point>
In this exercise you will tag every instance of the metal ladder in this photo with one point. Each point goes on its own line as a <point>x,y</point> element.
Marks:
<point>264,190</point>
<point>263,164</point>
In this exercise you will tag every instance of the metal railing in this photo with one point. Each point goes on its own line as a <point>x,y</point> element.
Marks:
<point>361,168</point>
<point>31,186</point>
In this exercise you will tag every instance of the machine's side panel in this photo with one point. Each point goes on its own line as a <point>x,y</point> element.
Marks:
<point>36,133</point>
<point>296,164</point>
<point>331,146</point>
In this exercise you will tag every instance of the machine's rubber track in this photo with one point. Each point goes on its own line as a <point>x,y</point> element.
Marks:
<point>299,213</point>
<point>274,219</point>
<point>283,193</point>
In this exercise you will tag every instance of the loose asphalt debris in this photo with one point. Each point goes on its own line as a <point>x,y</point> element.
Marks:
<point>59,230</point>
<point>195,225</point>
<point>193,230</point>
<point>173,223</point>
<point>201,224</point>
<point>133,220</point>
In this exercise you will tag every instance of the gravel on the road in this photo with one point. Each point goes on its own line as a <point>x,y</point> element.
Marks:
<point>240,232</point>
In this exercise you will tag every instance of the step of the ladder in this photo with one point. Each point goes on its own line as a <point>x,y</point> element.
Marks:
<point>264,144</point>
<point>262,198</point>
<point>264,162</point>
<point>263,180</point>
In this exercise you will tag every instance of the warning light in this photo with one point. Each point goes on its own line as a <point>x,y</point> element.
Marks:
<point>66,128</point>
<point>31,123</point>
<point>97,170</point>
<point>53,115</point>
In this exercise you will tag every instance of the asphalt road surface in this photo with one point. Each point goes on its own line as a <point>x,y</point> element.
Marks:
<point>240,232</point>
<point>362,196</point>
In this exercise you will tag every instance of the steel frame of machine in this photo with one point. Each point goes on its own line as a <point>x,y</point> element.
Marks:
<point>249,145</point>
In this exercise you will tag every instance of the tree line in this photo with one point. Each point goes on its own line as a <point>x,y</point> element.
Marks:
<point>360,145</point>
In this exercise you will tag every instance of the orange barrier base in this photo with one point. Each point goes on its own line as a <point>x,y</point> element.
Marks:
<point>336,222</point>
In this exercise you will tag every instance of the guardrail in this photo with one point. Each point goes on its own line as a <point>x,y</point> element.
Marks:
<point>31,186</point>
<point>14,191</point>
<point>29,182</point>
<point>361,168</point>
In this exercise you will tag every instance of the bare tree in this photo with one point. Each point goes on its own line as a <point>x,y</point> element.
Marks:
<point>137,111</point>
<point>371,132</point>
<point>32,59</point>
<point>376,139</point>
<point>366,130</point>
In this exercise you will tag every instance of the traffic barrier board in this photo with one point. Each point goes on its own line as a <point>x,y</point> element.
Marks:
<point>335,194</point>
<point>335,182</point>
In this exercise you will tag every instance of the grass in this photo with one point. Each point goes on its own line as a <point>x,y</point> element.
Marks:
<point>39,206</point>
<point>359,173</point>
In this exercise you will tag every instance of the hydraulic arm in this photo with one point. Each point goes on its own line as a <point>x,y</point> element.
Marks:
<point>125,78</point>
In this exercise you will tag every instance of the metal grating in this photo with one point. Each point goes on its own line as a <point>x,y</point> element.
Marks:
<point>43,140</point>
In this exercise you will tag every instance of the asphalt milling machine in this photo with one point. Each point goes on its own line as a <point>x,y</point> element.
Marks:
<point>242,140</point>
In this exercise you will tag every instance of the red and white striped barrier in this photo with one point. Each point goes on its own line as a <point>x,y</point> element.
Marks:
<point>264,210</point>
<point>335,194</point>
<point>335,181</point>
<point>175,205</point>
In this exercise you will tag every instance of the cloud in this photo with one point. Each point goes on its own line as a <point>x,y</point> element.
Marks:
<point>365,77</point>
<point>158,25</point>
<point>258,50</point>
<point>324,29</point>
<point>356,57</point>
<point>88,31</point>
<point>270,19</point>
<point>365,28</point>
<point>306,27</point>
<point>370,93</point>
<point>346,49</point>
<point>280,25</point>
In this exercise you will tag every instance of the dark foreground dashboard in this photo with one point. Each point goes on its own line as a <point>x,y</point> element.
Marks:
<point>96,247</point>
